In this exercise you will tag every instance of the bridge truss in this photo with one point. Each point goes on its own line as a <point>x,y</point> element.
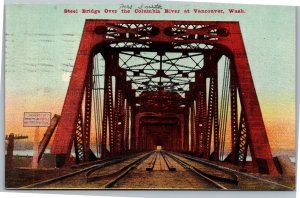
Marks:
<point>182,85</point>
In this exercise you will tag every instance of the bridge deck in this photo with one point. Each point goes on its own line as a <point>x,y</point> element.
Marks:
<point>169,171</point>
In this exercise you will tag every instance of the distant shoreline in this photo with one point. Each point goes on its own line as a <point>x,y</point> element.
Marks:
<point>29,153</point>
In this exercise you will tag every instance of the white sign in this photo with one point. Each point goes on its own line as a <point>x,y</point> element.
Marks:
<point>36,119</point>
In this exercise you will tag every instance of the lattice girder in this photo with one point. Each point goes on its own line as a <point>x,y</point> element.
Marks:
<point>105,36</point>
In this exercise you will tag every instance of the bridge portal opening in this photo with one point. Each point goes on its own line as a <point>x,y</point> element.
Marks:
<point>159,148</point>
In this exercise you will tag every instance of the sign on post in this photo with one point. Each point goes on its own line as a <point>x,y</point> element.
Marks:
<point>36,119</point>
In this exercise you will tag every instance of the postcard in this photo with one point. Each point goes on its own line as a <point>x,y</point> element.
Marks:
<point>163,95</point>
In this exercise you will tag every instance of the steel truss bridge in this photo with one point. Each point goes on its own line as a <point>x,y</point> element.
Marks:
<point>184,86</point>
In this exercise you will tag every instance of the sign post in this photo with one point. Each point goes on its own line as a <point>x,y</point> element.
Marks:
<point>37,120</point>
<point>36,148</point>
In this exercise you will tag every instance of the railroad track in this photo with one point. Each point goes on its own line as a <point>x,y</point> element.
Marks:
<point>108,173</point>
<point>152,162</point>
<point>117,175</point>
<point>236,175</point>
<point>100,165</point>
<point>212,179</point>
<point>168,163</point>
<point>164,157</point>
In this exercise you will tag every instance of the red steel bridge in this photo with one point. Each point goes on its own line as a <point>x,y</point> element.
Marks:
<point>185,86</point>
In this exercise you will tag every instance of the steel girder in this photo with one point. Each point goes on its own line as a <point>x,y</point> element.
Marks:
<point>174,36</point>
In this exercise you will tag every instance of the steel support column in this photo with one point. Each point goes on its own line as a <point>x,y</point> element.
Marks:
<point>186,133</point>
<point>234,117</point>
<point>258,140</point>
<point>78,141</point>
<point>193,128</point>
<point>126,126</point>
<point>133,130</point>
<point>202,126</point>
<point>66,128</point>
<point>87,113</point>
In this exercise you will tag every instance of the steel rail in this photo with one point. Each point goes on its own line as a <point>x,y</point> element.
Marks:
<point>233,179</point>
<point>112,182</point>
<point>152,163</point>
<point>170,167</point>
<point>229,170</point>
<point>90,178</point>
<point>102,164</point>
<point>194,170</point>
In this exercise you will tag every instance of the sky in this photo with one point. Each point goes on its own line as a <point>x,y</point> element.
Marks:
<point>41,43</point>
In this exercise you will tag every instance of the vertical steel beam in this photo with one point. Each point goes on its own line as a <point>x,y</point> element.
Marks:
<point>138,129</point>
<point>133,130</point>
<point>122,117</point>
<point>212,121</point>
<point>216,119</point>
<point>105,124</point>
<point>178,148</point>
<point>210,116</point>
<point>118,121</point>
<point>258,140</point>
<point>78,141</point>
<point>197,122</point>
<point>186,133</point>
<point>193,128</point>
<point>108,121</point>
<point>87,113</point>
<point>202,108</point>
<point>110,113</point>
<point>242,139</point>
<point>119,113</point>
<point>234,117</point>
<point>140,145</point>
<point>126,126</point>
<point>66,128</point>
